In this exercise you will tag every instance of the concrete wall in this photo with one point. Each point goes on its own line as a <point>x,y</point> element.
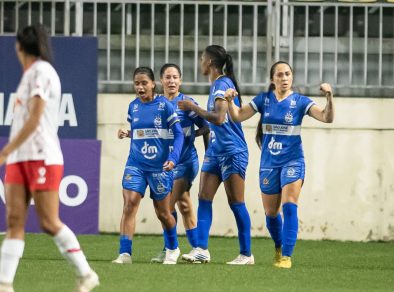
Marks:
<point>349,187</point>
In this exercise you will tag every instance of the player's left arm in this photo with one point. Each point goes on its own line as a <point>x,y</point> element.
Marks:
<point>325,114</point>
<point>36,109</point>
<point>174,156</point>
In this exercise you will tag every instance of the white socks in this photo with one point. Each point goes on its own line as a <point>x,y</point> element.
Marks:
<point>11,252</point>
<point>69,246</point>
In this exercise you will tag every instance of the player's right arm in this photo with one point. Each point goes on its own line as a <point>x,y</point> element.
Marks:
<point>237,114</point>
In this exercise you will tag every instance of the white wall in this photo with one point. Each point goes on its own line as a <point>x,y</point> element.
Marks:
<point>349,187</point>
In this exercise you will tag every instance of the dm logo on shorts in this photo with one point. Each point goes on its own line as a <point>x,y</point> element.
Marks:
<point>140,133</point>
<point>266,181</point>
<point>291,172</point>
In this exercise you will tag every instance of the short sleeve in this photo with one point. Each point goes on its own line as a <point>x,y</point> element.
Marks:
<point>257,103</point>
<point>40,84</point>
<point>172,117</point>
<point>306,104</point>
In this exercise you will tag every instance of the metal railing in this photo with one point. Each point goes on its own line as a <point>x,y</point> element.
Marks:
<point>350,45</point>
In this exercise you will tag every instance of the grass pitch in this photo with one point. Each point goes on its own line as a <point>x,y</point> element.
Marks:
<point>317,266</point>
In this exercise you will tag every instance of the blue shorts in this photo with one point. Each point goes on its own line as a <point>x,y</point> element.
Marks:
<point>187,170</point>
<point>160,183</point>
<point>224,166</point>
<point>272,180</point>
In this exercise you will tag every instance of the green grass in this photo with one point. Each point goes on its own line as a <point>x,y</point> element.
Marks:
<point>317,266</point>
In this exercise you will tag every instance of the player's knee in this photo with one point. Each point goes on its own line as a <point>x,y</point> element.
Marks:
<point>164,216</point>
<point>129,206</point>
<point>184,206</point>
<point>49,225</point>
<point>14,221</point>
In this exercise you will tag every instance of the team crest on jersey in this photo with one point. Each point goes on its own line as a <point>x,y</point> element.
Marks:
<point>266,101</point>
<point>289,118</point>
<point>293,103</point>
<point>291,172</point>
<point>140,133</point>
<point>266,181</point>
<point>157,121</point>
<point>161,106</point>
<point>135,108</point>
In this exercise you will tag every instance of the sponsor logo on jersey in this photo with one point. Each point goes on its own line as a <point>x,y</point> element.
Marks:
<point>289,118</point>
<point>140,133</point>
<point>268,128</point>
<point>274,147</point>
<point>148,151</point>
<point>161,106</point>
<point>291,172</point>
<point>293,103</point>
<point>157,121</point>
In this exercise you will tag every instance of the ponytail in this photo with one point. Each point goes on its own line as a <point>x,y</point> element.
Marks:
<point>229,71</point>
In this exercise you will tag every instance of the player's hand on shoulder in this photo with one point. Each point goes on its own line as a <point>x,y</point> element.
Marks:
<point>230,94</point>
<point>123,133</point>
<point>325,89</point>
<point>168,165</point>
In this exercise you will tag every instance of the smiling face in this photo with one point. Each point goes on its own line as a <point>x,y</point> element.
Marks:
<point>144,87</point>
<point>282,78</point>
<point>171,81</point>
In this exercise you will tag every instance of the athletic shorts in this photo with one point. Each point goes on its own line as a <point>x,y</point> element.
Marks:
<point>272,180</point>
<point>160,183</point>
<point>187,171</point>
<point>34,175</point>
<point>224,166</point>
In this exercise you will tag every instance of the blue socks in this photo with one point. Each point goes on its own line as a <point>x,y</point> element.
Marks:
<point>204,222</point>
<point>125,244</point>
<point>274,226</point>
<point>192,237</point>
<point>290,228</point>
<point>243,223</point>
<point>170,238</point>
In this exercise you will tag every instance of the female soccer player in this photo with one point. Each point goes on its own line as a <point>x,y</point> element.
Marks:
<point>35,162</point>
<point>225,159</point>
<point>282,166</point>
<point>187,168</point>
<point>150,162</point>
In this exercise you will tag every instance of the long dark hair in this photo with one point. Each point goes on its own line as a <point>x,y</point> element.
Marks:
<point>259,129</point>
<point>34,41</point>
<point>224,63</point>
<point>169,65</point>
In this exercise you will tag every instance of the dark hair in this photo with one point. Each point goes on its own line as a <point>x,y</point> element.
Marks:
<point>224,63</point>
<point>169,65</point>
<point>259,129</point>
<point>34,41</point>
<point>145,71</point>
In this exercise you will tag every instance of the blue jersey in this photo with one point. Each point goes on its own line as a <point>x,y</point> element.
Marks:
<point>228,138</point>
<point>281,124</point>
<point>188,119</point>
<point>150,124</point>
